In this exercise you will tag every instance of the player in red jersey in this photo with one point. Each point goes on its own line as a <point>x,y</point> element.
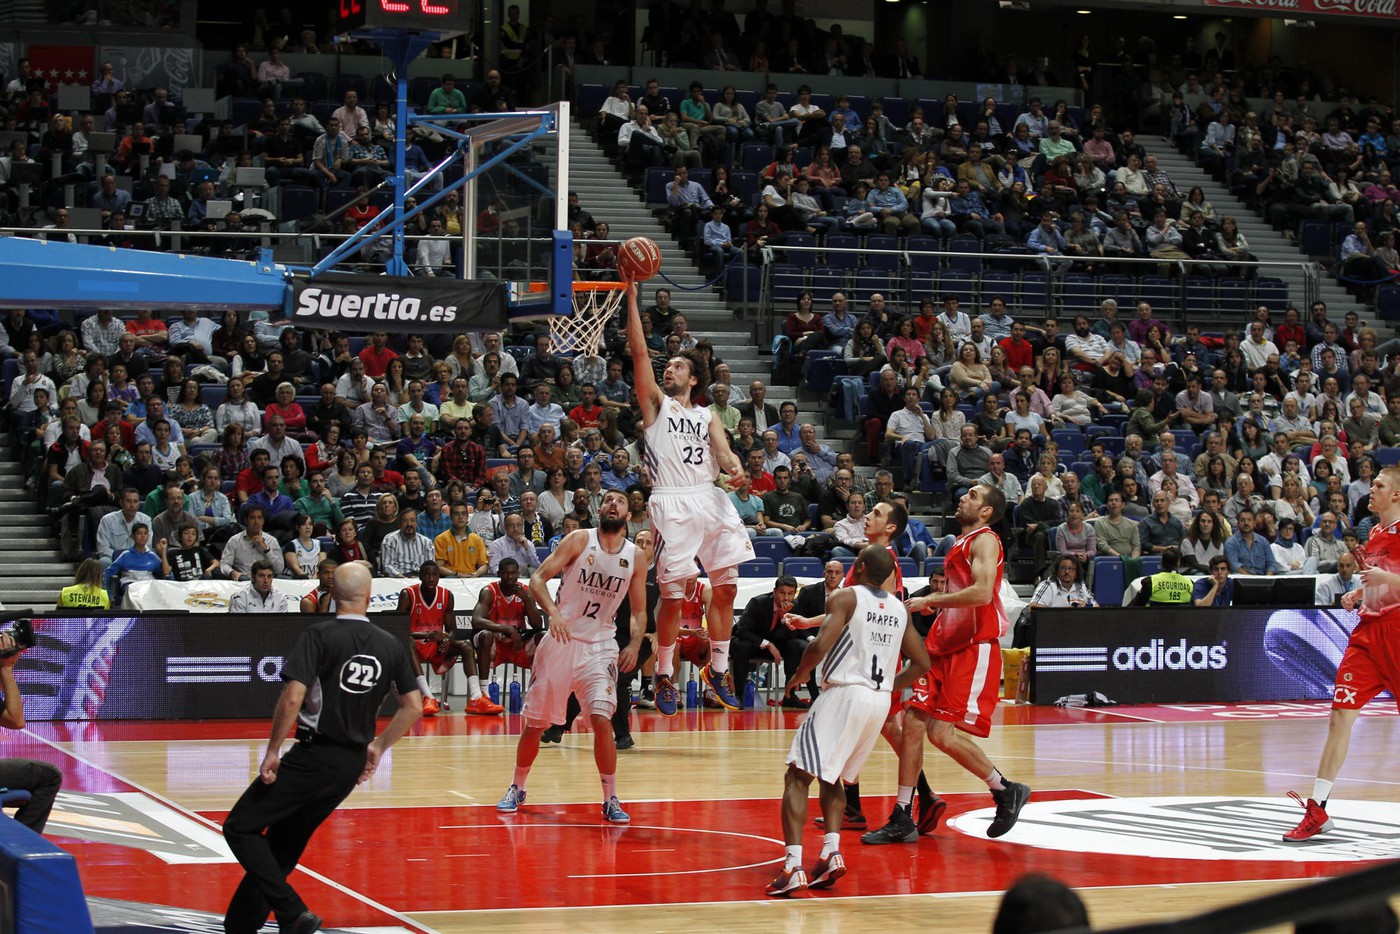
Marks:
<point>960,690</point>
<point>429,609</point>
<point>499,619</point>
<point>693,644</point>
<point>1371,663</point>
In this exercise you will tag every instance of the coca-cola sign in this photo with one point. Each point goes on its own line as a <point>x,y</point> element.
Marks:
<point>1381,9</point>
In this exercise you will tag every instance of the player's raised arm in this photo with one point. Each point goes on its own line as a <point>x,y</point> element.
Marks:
<point>569,549</point>
<point>649,394</point>
<point>839,607</point>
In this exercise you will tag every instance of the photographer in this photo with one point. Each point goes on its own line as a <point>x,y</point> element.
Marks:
<point>40,779</point>
<point>1064,588</point>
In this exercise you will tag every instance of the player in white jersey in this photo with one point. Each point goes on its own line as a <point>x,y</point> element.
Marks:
<point>858,648</point>
<point>691,517</point>
<point>598,567</point>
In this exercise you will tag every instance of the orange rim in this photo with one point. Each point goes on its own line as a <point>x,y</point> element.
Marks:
<point>590,286</point>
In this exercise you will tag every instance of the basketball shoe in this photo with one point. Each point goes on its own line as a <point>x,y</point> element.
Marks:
<point>825,873</point>
<point>431,707</point>
<point>850,820</point>
<point>722,685</point>
<point>613,812</point>
<point>667,697</point>
<point>482,707</point>
<point>552,734</point>
<point>788,882</point>
<point>930,813</point>
<point>1314,822</point>
<point>515,796</point>
<point>1009,801</point>
<point>899,829</point>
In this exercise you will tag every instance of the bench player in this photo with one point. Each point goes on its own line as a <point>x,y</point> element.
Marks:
<point>1371,663</point>
<point>580,656</point>
<point>960,690</point>
<point>865,631</point>
<point>502,610</point>
<point>691,517</point>
<point>429,608</point>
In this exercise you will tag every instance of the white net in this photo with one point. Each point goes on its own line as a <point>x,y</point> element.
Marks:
<point>583,332</point>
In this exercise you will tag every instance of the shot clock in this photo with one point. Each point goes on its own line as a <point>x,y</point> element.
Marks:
<point>431,15</point>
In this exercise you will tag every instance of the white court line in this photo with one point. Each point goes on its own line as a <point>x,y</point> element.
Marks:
<point>1183,767</point>
<point>858,899</point>
<point>343,889</point>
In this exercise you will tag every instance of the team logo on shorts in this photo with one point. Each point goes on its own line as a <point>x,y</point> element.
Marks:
<point>1346,676</point>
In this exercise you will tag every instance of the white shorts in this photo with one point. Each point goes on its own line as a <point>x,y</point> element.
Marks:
<point>588,669</point>
<point>836,737</point>
<point>699,522</point>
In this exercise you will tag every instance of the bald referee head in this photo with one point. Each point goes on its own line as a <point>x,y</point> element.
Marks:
<point>351,589</point>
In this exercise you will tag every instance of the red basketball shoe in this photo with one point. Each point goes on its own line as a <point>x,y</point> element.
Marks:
<point>1314,822</point>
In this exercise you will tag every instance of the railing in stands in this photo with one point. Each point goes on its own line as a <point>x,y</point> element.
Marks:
<point>1177,292</point>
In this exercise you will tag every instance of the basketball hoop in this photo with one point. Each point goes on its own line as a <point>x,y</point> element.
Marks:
<point>594,305</point>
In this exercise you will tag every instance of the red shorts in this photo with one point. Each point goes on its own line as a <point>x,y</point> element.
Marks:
<point>1370,665</point>
<point>693,646</point>
<point>962,688</point>
<point>431,652</point>
<point>507,654</point>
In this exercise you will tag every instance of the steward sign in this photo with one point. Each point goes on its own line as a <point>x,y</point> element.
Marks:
<point>364,304</point>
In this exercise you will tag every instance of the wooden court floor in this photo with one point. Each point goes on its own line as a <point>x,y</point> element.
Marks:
<point>1149,811</point>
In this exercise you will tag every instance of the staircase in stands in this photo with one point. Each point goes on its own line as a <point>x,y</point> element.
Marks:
<point>31,569</point>
<point>1264,242</point>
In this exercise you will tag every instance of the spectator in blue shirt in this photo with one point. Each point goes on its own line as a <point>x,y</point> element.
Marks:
<point>433,520</point>
<point>137,563</point>
<point>971,213</point>
<point>719,239</point>
<point>838,324</point>
<point>278,506</point>
<point>1047,241</point>
<point>891,208</point>
<point>1217,589</point>
<point>1248,553</point>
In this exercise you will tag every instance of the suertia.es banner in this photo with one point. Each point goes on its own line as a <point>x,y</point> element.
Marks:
<point>1373,9</point>
<point>1134,656</point>
<point>364,304</point>
<point>162,666</point>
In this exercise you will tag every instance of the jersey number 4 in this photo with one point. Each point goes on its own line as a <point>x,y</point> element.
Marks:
<point>877,675</point>
<point>690,454</point>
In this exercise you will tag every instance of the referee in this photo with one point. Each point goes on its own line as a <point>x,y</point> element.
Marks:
<point>336,678</point>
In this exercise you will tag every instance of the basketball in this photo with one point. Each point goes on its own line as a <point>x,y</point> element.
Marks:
<point>638,259</point>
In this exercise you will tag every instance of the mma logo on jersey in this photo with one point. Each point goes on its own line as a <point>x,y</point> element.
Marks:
<point>685,426</point>
<point>593,582</point>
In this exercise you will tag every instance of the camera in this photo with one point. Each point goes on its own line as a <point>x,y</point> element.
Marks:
<point>20,630</point>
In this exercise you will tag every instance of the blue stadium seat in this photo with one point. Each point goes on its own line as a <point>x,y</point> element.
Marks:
<point>1070,440</point>
<point>803,567</point>
<point>775,549</point>
<point>1108,581</point>
<point>758,567</point>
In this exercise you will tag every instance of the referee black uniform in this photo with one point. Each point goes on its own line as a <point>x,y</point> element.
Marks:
<point>348,665</point>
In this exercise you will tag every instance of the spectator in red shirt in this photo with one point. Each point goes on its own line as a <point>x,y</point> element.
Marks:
<point>376,355</point>
<point>1019,351</point>
<point>385,480</point>
<point>760,480</point>
<point>461,458</point>
<point>150,333</point>
<point>250,480</point>
<point>587,413</point>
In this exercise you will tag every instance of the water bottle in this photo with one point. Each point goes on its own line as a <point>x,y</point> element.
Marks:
<point>692,694</point>
<point>493,690</point>
<point>750,694</point>
<point>515,697</point>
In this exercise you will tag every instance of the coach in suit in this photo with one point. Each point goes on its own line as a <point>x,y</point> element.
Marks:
<point>761,636</point>
<point>764,415</point>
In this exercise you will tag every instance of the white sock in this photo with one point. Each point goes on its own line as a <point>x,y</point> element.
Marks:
<point>521,774</point>
<point>665,660</point>
<point>994,781</point>
<point>474,687</point>
<point>609,787</point>
<point>831,843</point>
<point>906,795</point>
<point>423,687</point>
<point>719,656</point>
<point>794,858</point>
<point>1322,790</point>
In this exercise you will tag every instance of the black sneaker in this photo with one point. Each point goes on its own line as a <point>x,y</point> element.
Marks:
<point>850,820</point>
<point>1009,801</point>
<point>304,923</point>
<point>900,829</point>
<point>552,734</point>
<point>625,742</point>
<point>930,813</point>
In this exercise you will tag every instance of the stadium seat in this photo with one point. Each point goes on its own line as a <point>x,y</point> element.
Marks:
<point>1108,581</point>
<point>803,567</point>
<point>759,567</point>
<point>775,549</point>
